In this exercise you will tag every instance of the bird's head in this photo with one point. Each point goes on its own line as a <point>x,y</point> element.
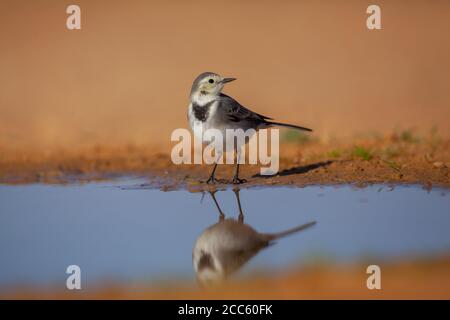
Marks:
<point>209,83</point>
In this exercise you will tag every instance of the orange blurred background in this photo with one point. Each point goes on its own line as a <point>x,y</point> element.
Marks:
<point>126,75</point>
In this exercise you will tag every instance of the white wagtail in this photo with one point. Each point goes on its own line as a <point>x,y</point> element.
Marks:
<point>226,246</point>
<point>209,108</point>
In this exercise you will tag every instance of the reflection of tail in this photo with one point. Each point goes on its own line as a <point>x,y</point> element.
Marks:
<point>273,236</point>
<point>287,125</point>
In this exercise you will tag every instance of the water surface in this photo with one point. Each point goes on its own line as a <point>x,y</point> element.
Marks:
<point>129,234</point>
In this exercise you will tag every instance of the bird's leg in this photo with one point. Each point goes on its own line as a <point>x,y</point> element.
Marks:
<point>221,214</point>
<point>212,179</point>
<point>236,179</point>
<point>241,214</point>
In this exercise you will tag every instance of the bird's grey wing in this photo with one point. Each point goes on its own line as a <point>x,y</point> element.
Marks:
<point>237,112</point>
<point>234,258</point>
<point>239,245</point>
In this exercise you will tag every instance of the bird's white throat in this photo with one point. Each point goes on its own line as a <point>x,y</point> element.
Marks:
<point>201,99</point>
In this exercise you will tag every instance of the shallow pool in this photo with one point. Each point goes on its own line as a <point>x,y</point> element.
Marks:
<point>117,231</point>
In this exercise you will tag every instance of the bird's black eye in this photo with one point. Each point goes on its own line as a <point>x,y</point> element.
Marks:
<point>211,80</point>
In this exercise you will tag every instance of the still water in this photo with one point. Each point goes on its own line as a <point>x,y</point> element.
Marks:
<point>118,232</point>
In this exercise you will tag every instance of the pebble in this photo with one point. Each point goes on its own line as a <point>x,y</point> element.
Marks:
<point>438,164</point>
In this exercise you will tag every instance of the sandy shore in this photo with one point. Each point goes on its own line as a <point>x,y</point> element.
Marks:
<point>389,159</point>
<point>427,279</point>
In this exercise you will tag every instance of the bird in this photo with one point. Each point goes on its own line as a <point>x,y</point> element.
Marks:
<point>209,108</point>
<point>229,244</point>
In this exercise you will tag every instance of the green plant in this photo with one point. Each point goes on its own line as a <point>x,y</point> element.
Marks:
<point>295,136</point>
<point>408,136</point>
<point>363,153</point>
<point>391,152</point>
<point>334,154</point>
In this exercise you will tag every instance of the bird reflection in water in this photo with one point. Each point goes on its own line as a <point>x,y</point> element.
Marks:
<point>229,244</point>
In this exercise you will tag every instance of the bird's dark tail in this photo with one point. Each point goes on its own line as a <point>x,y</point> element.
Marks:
<point>274,236</point>
<point>286,125</point>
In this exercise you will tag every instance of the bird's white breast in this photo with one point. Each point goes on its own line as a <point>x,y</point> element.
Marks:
<point>199,127</point>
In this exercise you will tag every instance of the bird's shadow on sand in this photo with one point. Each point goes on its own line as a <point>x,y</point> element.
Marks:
<point>297,170</point>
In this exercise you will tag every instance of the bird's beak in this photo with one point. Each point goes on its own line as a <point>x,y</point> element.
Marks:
<point>225,80</point>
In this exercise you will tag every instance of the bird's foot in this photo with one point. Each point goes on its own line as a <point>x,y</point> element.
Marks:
<point>237,180</point>
<point>213,180</point>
